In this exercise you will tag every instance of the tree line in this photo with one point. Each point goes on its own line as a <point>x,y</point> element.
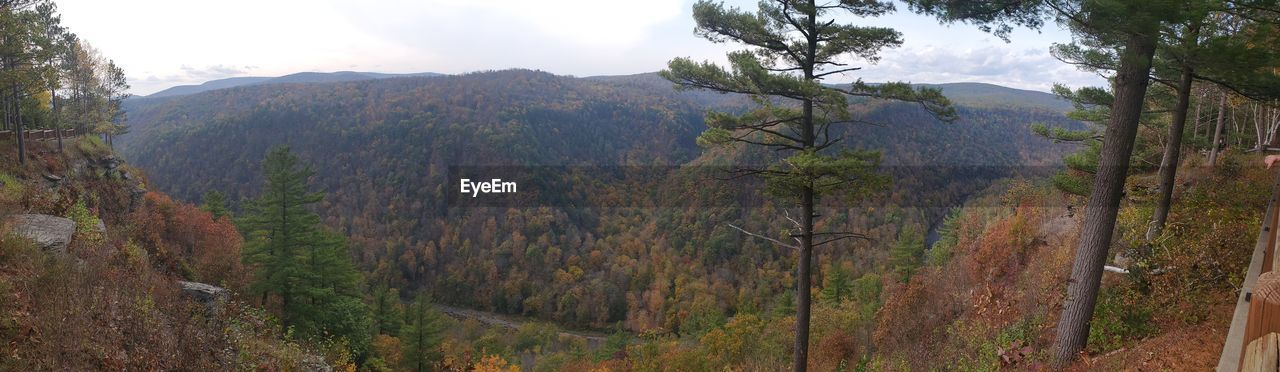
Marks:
<point>52,79</point>
<point>1137,44</point>
<point>790,47</point>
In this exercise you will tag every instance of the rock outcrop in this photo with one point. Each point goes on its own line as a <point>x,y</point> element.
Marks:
<point>314,363</point>
<point>212,297</point>
<point>50,233</point>
<point>136,196</point>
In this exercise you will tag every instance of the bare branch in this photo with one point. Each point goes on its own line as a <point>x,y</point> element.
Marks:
<point>843,70</point>
<point>772,240</point>
<point>839,238</point>
<point>787,215</point>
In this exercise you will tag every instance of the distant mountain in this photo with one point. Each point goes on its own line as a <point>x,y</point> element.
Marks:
<point>995,96</point>
<point>977,95</point>
<point>301,77</point>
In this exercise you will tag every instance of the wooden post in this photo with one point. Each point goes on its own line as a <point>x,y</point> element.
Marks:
<point>1263,354</point>
<point>1269,256</point>
<point>1264,307</point>
<point>1270,262</point>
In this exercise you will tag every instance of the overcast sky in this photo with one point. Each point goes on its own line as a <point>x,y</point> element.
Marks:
<point>162,43</point>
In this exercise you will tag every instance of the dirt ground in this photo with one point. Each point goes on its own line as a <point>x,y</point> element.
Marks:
<point>1189,348</point>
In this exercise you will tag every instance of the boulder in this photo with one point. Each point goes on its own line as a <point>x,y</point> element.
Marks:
<point>314,363</point>
<point>212,297</point>
<point>109,162</point>
<point>50,233</point>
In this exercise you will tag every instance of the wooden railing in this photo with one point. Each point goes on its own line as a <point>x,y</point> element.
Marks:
<point>1253,341</point>
<point>38,134</point>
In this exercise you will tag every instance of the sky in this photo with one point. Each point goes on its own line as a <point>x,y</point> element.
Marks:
<point>164,43</point>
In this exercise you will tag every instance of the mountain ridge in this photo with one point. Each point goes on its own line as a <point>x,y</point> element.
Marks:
<point>973,94</point>
<point>297,77</point>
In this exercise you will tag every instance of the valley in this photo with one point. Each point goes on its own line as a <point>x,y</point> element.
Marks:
<point>687,185</point>
<point>651,124</point>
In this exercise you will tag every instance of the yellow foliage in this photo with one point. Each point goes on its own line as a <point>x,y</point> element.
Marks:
<point>388,347</point>
<point>494,363</point>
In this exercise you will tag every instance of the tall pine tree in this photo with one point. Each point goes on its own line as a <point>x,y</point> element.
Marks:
<point>305,269</point>
<point>792,45</point>
<point>421,336</point>
<point>907,255</point>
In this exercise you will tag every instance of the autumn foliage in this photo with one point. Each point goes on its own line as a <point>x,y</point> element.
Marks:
<point>190,241</point>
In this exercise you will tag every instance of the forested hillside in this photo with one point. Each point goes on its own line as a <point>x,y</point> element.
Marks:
<point>787,203</point>
<point>381,149</point>
<point>298,78</point>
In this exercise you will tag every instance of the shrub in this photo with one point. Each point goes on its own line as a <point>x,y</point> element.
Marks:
<point>12,189</point>
<point>86,224</point>
<point>1120,316</point>
<point>92,145</point>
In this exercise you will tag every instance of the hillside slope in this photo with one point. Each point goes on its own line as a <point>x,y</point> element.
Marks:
<point>383,149</point>
<point>110,293</point>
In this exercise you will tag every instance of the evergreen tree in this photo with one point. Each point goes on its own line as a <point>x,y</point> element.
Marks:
<point>866,291</point>
<point>1204,46</point>
<point>837,286</point>
<point>1092,106</point>
<point>908,253</point>
<point>388,313</point>
<point>784,304</point>
<point>307,269</point>
<point>215,203</point>
<point>50,39</point>
<point>792,46</point>
<point>1133,29</point>
<point>422,335</point>
<point>940,252</point>
<point>19,34</point>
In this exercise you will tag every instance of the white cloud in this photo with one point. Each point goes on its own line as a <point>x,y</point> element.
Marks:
<point>1000,64</point>
<point>161,43</point>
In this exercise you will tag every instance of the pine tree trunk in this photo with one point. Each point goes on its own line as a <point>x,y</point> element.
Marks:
<point>17,120</point>
<point>1217,130</point>
<point>1172,150</point>
<point>57,122</point>
<point>1104,202</point>
<point>8,105</point>
<point>800,360</point>
<point>8,112</point>
<point>1196,131</point>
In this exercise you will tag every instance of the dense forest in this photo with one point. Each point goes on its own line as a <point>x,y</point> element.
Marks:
<point>746,216</point>
<point>648,253</point>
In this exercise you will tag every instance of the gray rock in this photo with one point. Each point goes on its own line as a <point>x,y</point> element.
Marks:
<point>110,162</point>
<point>50,233</point>
<point>135,197</point>
<point>212,297</point>
<point>314,363</point>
